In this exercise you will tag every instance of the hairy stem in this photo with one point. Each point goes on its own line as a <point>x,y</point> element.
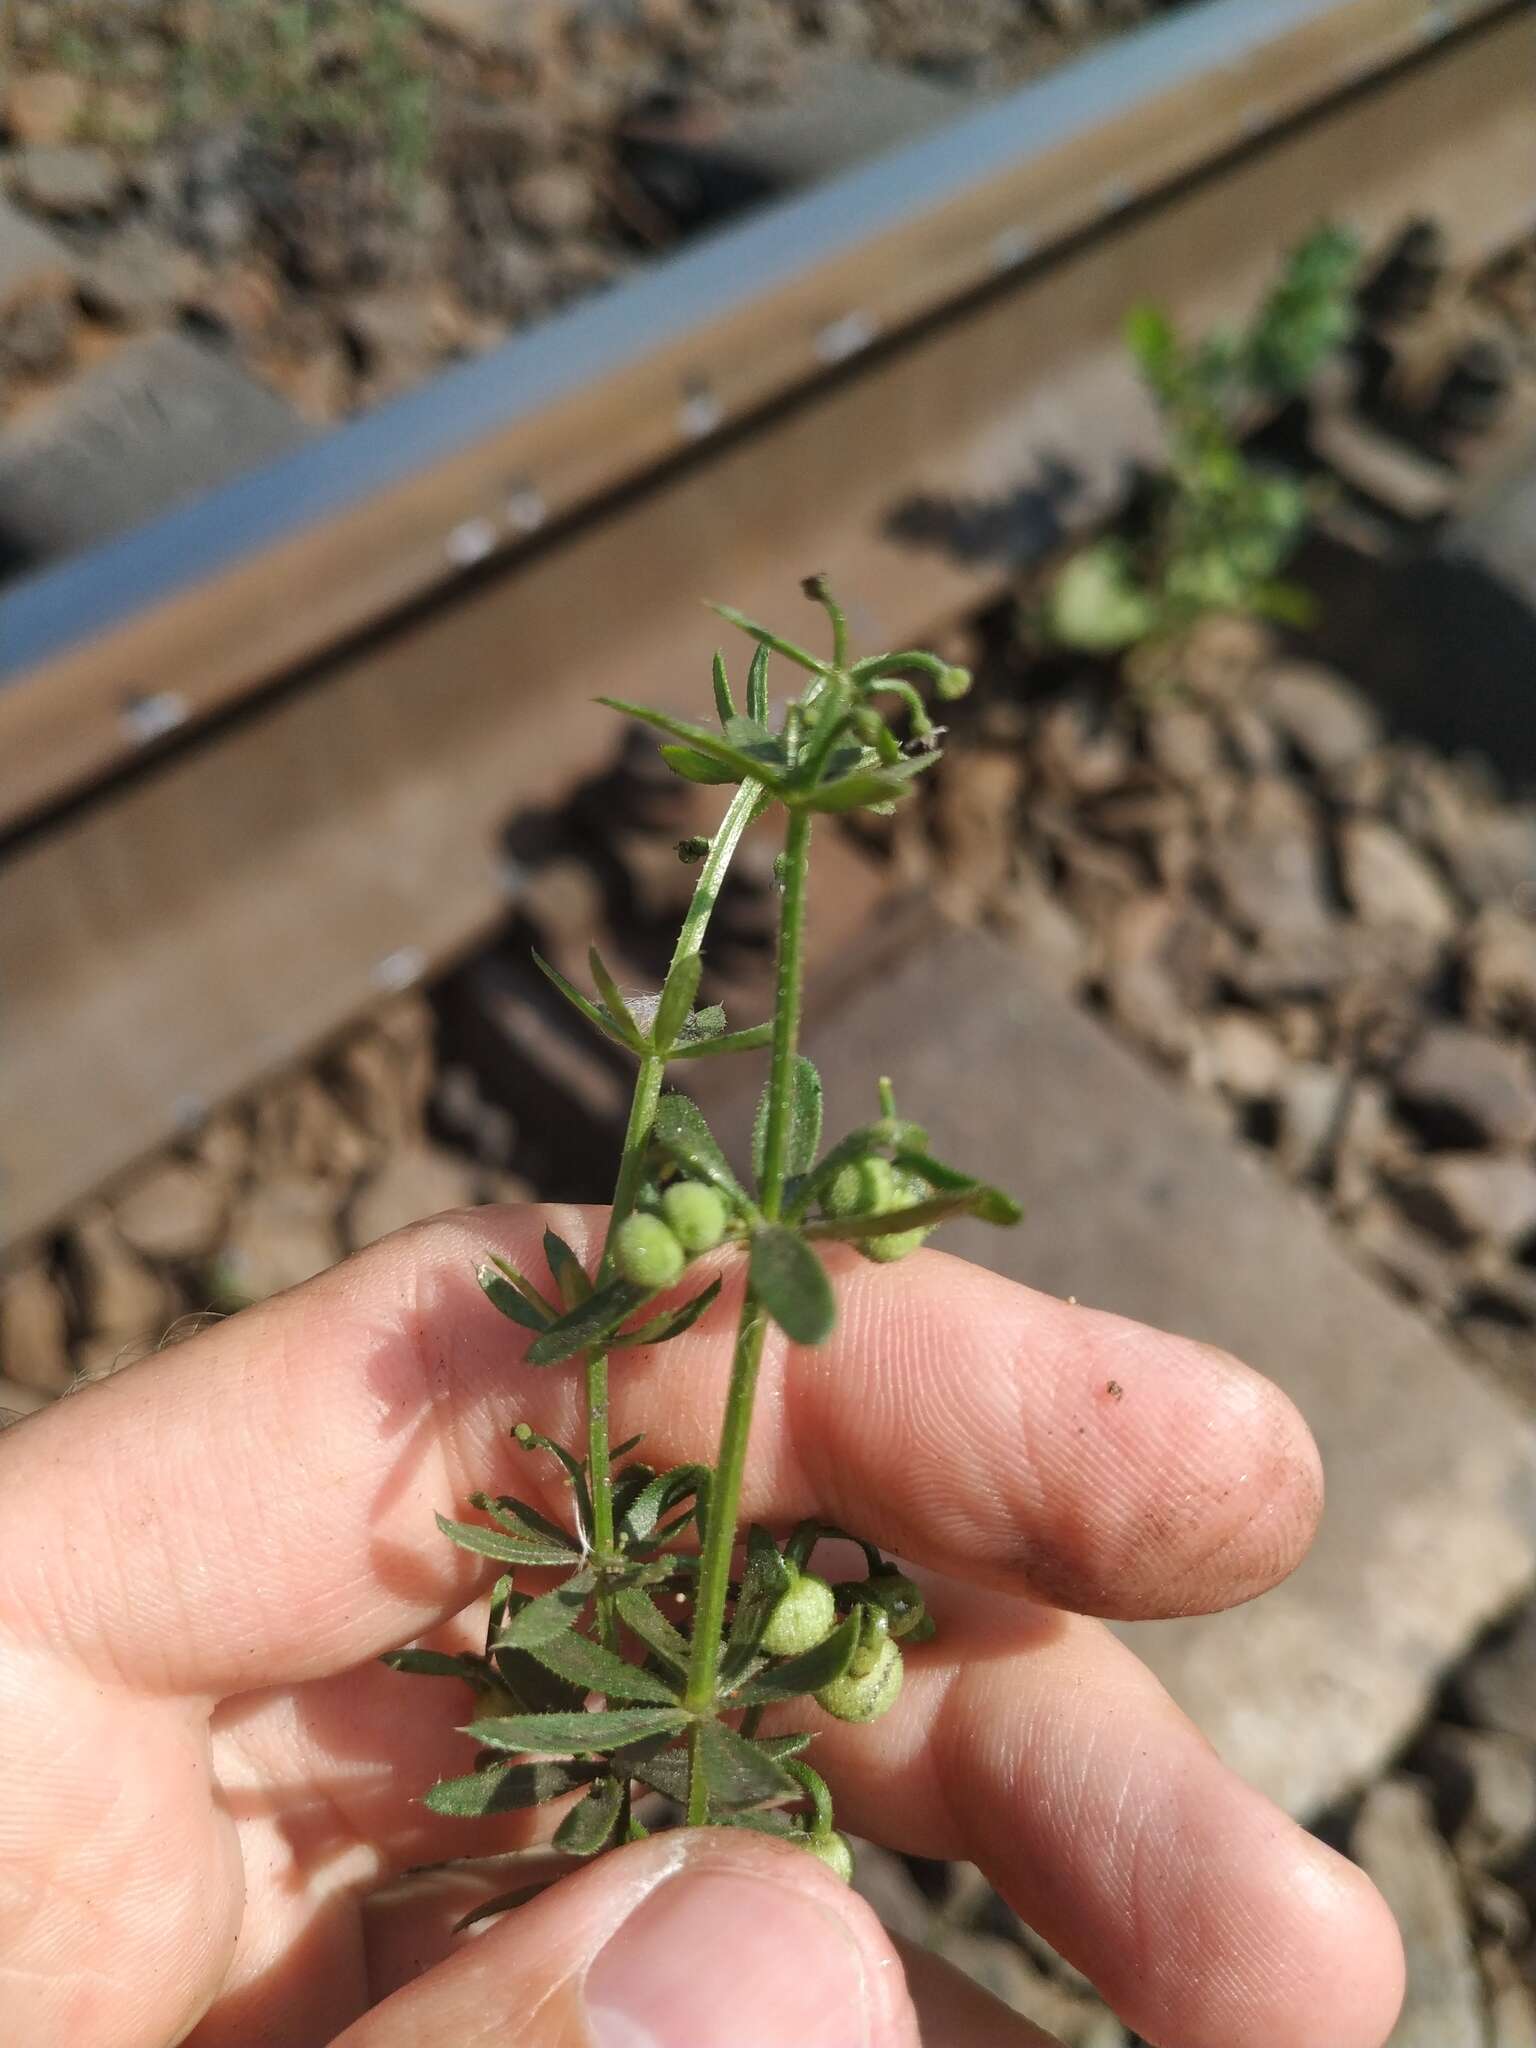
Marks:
<point>724,1498</point>
<point>786,1009</point>
<point>642,1114</point>
<point>725,1491</point>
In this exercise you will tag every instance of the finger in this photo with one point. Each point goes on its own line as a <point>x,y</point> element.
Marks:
<point>298,1453</point>
<point>953,2012</point>
<point>1035,1745</point>
<point>411,1928</point>
<point>689,1940</point>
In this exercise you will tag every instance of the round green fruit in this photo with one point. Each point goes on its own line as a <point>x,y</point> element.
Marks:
<point>833,1850</point>
<point>646,1253</point>
<point>695,1215</point>
<point>898,1598</point>
<point>868,1697</point>
<point>805,1615</point>
<point>862,1188</point>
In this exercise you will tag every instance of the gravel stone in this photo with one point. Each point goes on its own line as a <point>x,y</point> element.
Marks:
<point>44,107</point>
<point>1395,1841</point>
<point>1243,1056</point>
<point>1485,1793</point>
<point>172,1212</point>
<point>116,1296</point>
<point>1499,971</point>
<point>1388,883</point>
<point>69,181</point>
<point>34,1330</point>
<point>1498,1684</point>
<point>1470,1197</point>
<point>1469,1089</point>
<point>1325,719</point>
<point>412,1184</point>
<point>281,1233</point>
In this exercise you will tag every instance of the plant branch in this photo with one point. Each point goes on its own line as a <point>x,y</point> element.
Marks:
<point>642,1114</point>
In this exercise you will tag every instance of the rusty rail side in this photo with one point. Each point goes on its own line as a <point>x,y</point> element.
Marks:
<point>214,601</point>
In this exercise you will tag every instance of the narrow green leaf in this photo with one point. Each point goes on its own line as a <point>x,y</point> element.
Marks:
<point>613,1000</point>
<point>533,1689</point>
<point>693,766</point>
<point>671,1322</point>
<point>751,1040</point>
<point>437,1664</point>
<point>697,738</point>
<point>505,1788</point>
<point>592,1322</point>
<point>737,1772</point>
<point>764,1821</point>
<point>522,1521</point>
<point>574,1657</point>
<point>792,1284</point>
<point>509,1549</point>
<point>766,638</point>
<point>609,1027</point>
<point>750,737</point>
<point>576,1734</point>
<point>589,1827</point>
<point>804,1121</point>
<point>552,1614</point>
<point>993,1205</point>
<point>725,703</point>
<point>660,1497</point>
<point>566,1270</point>
<point>864,786</point>
<point>990,1204</point>
<point>644,1619</point>
<point>677,999</point>
<point>783,1747</point>
<point>502,1292</point>
<point>682,1133</point>
<point>757,686</point>
<point>666,1773</point>
<point>764,1578</point>
<point>808,1672</point>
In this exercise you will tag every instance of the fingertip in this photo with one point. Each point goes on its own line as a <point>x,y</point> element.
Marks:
<point>1356,1948</point>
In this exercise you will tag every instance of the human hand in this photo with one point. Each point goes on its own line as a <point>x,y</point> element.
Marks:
<point>205,1773</point>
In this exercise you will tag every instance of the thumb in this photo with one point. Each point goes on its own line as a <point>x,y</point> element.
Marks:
<point>697,1939</point>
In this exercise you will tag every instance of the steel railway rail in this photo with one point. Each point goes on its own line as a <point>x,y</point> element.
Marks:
<point>256,758</point>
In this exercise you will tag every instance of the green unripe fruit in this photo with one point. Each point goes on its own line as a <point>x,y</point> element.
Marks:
<point>898,1599</point>
<point>804,1615</point>
<point>905,1189</point>
<point>695,1214</point>
<point>896,1244</point>
<point>867,1697</point>
<point>863,1188</point>
<point>833,1850</point>
<point>874,1634</point>
<point>646,1253</point>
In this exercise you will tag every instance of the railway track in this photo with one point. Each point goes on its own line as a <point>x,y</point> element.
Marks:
<point>258,757</point>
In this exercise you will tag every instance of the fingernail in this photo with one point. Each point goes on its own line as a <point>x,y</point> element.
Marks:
<point>718,1960</point>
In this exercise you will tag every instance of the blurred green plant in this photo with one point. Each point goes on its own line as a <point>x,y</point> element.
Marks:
<point>309,73</point>
<point>1220,527</point>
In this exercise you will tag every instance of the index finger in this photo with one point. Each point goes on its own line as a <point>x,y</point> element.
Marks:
<point>257,1505</point>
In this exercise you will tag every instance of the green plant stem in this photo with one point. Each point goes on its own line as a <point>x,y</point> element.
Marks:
<point>725,1491</point>
<point>642,1114</point>
<point>788,993</point>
